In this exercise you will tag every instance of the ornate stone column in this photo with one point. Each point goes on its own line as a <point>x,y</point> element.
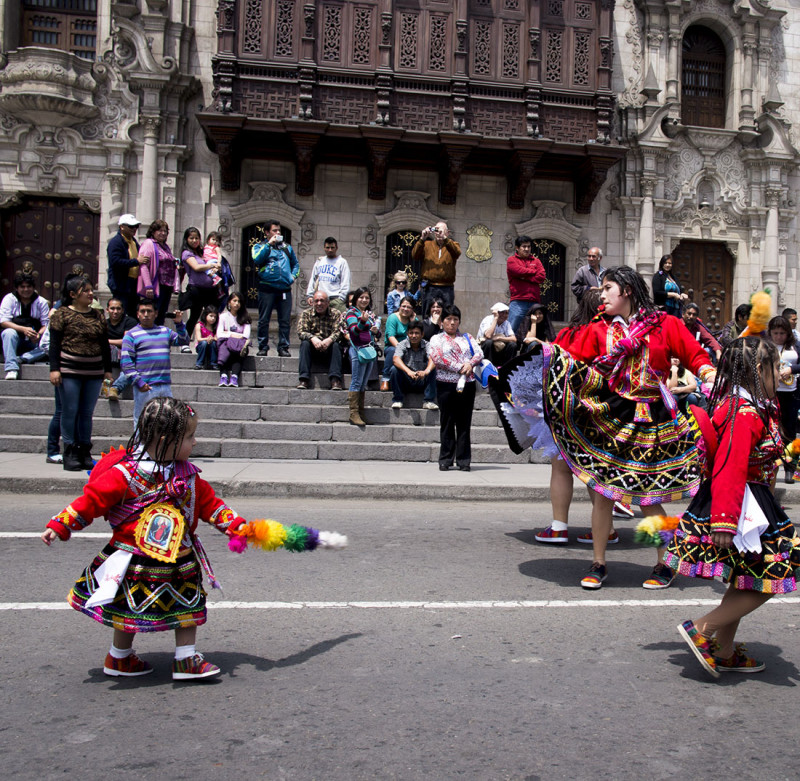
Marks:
<point>148,200</point>
<point>675,39</point>
<point>116,185</point>
<point>770,271</point>
<point>645,259</point>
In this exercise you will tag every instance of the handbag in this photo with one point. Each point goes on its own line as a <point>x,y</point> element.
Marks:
<point>367,353</point>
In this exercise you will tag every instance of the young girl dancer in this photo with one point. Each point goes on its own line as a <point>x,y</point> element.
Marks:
<point>149,577</point>
<point>760,556</point>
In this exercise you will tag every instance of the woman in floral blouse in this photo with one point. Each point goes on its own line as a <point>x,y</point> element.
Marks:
<point>455,356</point>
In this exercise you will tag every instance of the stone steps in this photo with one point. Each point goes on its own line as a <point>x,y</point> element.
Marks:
<point>267,417</point>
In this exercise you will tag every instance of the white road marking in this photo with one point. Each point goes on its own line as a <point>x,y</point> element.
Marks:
<point>466,605</point>
<point>28,535</point>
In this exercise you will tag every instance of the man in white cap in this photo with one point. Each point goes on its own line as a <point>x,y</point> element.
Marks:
<point>123,263</point>
<point>496,336</point>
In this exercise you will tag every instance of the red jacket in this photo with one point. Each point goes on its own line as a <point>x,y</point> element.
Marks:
<point>668,339</point>
<point>746,453</point>
<point>115,480</point>
<point>524,277</point>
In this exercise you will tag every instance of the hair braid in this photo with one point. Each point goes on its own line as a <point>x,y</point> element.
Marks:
<point>164,421</point>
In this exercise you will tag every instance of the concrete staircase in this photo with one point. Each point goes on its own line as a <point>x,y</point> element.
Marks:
<point>265,418</point>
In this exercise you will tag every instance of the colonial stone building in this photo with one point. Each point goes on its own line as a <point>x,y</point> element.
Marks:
<point>646,127</point>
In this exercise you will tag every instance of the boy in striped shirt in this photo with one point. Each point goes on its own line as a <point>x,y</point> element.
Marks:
<point>145,356</point>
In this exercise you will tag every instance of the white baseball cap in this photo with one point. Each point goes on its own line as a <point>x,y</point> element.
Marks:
<point>500,307</point>
<point>129,219</point>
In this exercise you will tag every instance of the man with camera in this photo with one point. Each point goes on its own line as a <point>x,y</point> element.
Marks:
<point>277,268</point>
<point>438,253</point>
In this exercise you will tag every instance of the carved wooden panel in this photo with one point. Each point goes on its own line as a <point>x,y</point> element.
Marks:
<point>276,100</point>
<point>422,112</point>
<point>704,270</point>
<point>570,43</point>
<point>496,117</point>
<point>568,124</point>
<point>344,106</point>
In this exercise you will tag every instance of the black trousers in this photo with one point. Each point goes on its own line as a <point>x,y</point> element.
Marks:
<point>455,420</point>
<point>201,298</point>
<point>331,358</point>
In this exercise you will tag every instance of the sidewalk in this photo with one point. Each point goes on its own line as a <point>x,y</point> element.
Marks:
<point>28,473</point>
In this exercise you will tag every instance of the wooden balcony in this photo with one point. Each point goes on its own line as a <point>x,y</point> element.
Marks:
<point>513,89</point>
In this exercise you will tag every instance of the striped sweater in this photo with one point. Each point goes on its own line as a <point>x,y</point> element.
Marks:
<point>145,353</point>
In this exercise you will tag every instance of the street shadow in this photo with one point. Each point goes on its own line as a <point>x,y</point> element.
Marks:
<point>228,661</point>
<point>779,671</point>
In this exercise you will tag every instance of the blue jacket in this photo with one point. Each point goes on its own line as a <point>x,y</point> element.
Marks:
<point>277,268</point>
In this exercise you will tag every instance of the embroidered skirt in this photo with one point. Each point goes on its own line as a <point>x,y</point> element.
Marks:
<point>606,444</point>
<point>154,596</point>
<point>775,570</point>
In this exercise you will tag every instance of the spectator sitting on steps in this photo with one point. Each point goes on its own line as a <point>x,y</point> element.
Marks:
<point>496,337</point>
<point>320,329</point>
<point>413,369</point>
<point>24,316</point>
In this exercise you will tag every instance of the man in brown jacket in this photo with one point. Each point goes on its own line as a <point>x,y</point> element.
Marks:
<point>438,253</point>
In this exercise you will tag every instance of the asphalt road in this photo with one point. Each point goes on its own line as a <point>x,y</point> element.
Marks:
<point>443,643</point>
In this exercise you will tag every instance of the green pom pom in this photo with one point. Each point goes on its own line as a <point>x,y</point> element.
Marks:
<point>645,538</point>
<point>296,538</point>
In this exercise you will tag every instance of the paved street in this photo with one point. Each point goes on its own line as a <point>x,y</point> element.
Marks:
<point>443,643</point>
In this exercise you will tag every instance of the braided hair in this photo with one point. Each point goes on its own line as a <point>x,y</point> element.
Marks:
<point>738,367</point>
<point>164,420</point>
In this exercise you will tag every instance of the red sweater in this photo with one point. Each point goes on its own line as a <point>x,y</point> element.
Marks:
<point>524,277</point>
<point>669,338</point>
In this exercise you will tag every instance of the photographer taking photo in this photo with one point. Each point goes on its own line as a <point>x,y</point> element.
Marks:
<point>438,254</point>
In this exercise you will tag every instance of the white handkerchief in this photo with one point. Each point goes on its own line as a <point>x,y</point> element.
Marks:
<point>752,524</point>
<point>108,576</point>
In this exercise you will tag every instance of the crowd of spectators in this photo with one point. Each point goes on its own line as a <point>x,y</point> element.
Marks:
<point>424,349</point>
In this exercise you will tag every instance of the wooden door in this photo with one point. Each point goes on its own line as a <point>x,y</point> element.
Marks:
<point>51,238</point>
<point>704,270</point>
<point>554,259</point>
<point>398,258</point>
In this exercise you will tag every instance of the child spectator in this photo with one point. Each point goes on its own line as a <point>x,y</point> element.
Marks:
<point>145,356</point>
<point>413,369</point>
<point>118,324</point>
<point>233,337</point>
<point>213,254</point>
<point>397,293</point>
<point>205,337</point>
<point>535,328</point>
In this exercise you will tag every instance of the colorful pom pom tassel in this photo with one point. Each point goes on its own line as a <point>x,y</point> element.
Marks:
<point>270,535</point>
<point>761,306</point>
<point>656,530</point>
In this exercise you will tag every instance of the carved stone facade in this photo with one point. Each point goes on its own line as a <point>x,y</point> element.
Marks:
<point>107,134</point>
<point>364,119</point>
<point>736,186</point>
